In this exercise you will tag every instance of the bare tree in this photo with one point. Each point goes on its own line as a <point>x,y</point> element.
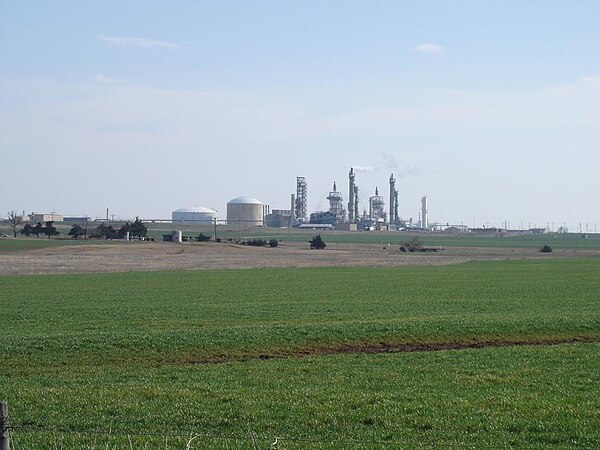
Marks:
<point>14,221</point>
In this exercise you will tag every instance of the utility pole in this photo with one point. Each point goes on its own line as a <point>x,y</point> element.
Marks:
<point>4,438</point>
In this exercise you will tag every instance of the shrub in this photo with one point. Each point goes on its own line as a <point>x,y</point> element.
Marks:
<point>273,243</point>
<point>546,249</point>
<point>256,242</point>
<point>203,237</point>
<point>412,246</point>
<point>317,242</point>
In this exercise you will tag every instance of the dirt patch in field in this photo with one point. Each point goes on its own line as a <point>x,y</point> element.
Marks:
<point>150,256</point>
<point>382,347</point>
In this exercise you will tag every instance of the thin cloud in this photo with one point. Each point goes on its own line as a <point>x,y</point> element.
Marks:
<point>136,42</point>
<point>428,48</point>
<point>104,79</point>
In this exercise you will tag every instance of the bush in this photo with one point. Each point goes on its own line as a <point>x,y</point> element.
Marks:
<point>546,249</point>
<point>273,243</point>
<point>256,242</point>
<point>317,242</point>
<point>203,237</point>
<point>412,246</point>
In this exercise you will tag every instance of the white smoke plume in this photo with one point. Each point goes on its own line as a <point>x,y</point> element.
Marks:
<point>389,163</point>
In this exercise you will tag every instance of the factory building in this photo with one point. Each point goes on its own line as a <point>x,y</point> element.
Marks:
<point>246,211</point>
<point>192,214</point>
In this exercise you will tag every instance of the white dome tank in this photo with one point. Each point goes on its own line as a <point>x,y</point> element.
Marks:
<point>198,215</point>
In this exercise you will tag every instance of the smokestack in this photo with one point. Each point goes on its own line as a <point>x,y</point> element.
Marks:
<point>393,200</point>
<point>356,213</point>
<point>351,208</point>
<point>424,218</point>
<point>293,211</point>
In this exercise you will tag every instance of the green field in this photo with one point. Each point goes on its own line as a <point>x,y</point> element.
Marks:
<point>556,241</point>
<point>242,356</point>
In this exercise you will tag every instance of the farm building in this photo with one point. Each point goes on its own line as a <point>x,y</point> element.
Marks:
<point>193,214</point>
<point>245,211</point>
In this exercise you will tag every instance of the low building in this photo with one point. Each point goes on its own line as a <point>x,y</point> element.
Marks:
<point>75,219</point>
<point>316,226</point>
<point>323,218</point>
<point>278,218</point>
<point>46,217</point>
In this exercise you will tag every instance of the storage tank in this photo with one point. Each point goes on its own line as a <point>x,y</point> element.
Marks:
<point>194,214</point>
<point>245,211</point>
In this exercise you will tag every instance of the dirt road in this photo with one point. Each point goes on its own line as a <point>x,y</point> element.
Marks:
<point>145,256</point>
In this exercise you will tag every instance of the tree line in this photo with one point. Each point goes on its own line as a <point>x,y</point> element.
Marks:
<point>136,229</point>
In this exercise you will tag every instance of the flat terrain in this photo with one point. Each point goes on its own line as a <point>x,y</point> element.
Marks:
<point>92,256</point>
<point>240,357</point>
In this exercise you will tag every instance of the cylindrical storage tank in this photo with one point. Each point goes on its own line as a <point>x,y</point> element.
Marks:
<point>245,211</point>
<point>194,214</point>
<point>176,236</point>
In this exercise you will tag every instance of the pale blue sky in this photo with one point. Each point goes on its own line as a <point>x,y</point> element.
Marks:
<point>490,108</point>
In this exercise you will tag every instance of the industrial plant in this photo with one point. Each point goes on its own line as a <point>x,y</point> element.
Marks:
<point>249,212</point>
<point>340,215</point>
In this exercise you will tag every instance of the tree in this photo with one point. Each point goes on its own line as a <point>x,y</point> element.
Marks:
<point>38,229</point>
<point>317,242</point>
<point>412,246</point>
<point>27,230</point>
<point>122,233</point>
<point>14,221</point>
<point>50,230</point>
<point>138,229</point>
<point>105,232</point>
<point>77,231</point>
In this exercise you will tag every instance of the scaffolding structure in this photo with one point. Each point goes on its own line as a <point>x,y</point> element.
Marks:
<point>336,204</point>
<point>377,207</point>
<point>301,209</point>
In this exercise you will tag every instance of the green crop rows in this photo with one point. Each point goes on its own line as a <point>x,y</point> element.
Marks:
<point>174,353</point>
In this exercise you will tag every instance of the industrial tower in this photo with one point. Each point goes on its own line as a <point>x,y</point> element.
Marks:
<point>376,206</point>
<point>424,218</point>
<point>336,204</point>
<point>351,196</point>
<point>393,218</point>
<point>301,202</point>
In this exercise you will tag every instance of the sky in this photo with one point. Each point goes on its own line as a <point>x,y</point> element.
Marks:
<point>490,108</point>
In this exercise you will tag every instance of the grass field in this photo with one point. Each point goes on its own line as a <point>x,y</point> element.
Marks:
<point>218,353</point>
<point>567,241</point>
<point>156,230</point>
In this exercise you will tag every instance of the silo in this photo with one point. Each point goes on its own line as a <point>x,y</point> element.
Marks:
<point>245,211</point>
<point>193,214</point>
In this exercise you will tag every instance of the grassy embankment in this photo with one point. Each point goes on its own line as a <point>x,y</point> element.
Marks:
<point>135,353</point>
